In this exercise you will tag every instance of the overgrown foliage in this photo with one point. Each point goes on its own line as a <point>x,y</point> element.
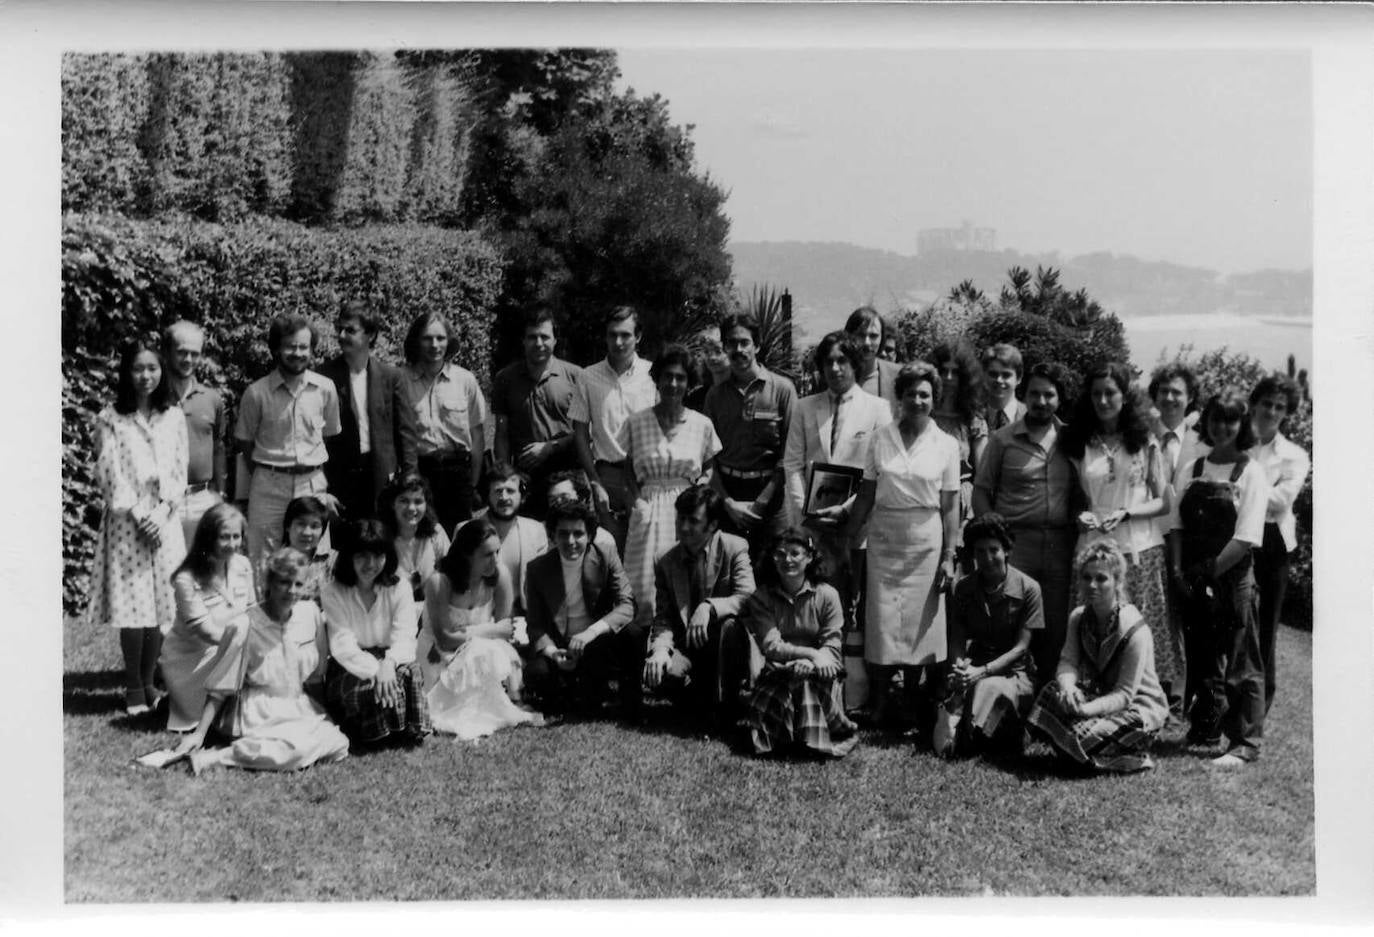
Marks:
<point>121,276</point>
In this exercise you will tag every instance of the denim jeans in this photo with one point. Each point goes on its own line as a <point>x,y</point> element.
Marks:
<point>1225,655</point>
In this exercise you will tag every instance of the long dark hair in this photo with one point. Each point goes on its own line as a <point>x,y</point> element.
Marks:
<point>1135,433</point>
<point>402,484</point>
<point>969,401</point>
<point>367,536</point>
<point>200,558</point>
<point>126,398</point>
<point>457,562</point>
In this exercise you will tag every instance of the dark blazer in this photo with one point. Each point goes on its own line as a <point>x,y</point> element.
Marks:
<point>731,579</point>
<point>605,589</point>
<point>392,424</point>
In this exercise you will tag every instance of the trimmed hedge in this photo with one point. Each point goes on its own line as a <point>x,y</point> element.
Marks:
<point>121,276</point>
<point>317,136</point>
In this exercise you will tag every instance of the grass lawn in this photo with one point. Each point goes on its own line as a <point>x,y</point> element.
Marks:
<point>593,810</point>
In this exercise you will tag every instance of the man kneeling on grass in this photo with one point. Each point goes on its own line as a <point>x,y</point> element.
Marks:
<point>697,647</point>
<point>579,616</point>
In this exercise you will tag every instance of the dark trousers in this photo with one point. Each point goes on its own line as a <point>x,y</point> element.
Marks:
<point>615,656</point>
<point>1272,561</point>
<point>1225,660</point>
<point>353,486</point>
<point>762,534</point>
<point>728,661</point>
<point>450,480</point>
<point>1046,555</point>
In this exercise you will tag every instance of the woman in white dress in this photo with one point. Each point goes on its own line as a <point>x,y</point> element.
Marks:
<point>141,459</point>
<point>214,588</point>
<point>259,696</point>
<point>465,649</point>
<point>911,490</point>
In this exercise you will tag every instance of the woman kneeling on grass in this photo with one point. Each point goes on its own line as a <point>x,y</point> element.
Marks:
<point>213,588</point>
<point>276,724</point>
<point>1105,705</point>
<point>797,622</point>
<point>992,614</point>
<point>371,685</point>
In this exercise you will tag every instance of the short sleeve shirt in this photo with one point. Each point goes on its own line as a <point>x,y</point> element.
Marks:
<point>286,427</point>
<point>204,409</point>
<point>992,622</point>
<point>535,410</point>
<point>1029,485</point>
<point>752,421</point>
<point>1254,497</point>
<point>912,477</point>
<point>605,400</point>
<point>448,409</point>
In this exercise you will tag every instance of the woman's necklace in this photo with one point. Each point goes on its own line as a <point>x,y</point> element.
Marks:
<point>1110,450</point>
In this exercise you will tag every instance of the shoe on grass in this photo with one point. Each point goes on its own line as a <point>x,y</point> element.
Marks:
<point>1229,760</point>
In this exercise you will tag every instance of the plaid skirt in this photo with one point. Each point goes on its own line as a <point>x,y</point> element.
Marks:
<point>1116,742</point>
<point>788,709</point>
<point>351,704</point>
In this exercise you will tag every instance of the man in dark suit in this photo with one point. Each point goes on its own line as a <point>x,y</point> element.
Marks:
<point>378,423</point>
<point>697,647</point>
<point>579,615</point>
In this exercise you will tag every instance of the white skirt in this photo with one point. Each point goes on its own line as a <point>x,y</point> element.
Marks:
<point>905,619</point>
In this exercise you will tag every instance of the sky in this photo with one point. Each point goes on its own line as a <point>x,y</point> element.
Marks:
<point>1201,158</point>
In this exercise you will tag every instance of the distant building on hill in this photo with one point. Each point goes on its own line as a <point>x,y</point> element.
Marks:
<point>963,238</point>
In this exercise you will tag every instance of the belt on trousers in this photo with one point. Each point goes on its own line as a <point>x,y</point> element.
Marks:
<point>289,469</point>
<point>444,458</point>
<point>740,473</point>
<point>196,488</point>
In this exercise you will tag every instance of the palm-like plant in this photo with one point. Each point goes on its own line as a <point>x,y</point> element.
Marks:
<point>774,314</point>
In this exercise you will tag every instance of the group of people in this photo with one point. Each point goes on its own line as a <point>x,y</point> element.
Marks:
<point>902,547</point>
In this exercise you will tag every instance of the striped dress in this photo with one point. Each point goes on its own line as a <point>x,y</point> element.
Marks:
<point>664,466</point>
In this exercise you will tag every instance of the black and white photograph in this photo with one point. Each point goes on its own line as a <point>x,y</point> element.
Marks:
<point>504,464</point>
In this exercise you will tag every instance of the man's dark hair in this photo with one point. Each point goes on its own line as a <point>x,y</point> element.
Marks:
<point>1168,372</point>
<point>699,496</point>
<point>290,324</point>
<point>565,509</point>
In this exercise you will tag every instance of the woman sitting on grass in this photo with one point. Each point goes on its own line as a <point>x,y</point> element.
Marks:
<point>473,671</point>
<point>1105,705</point>
<point>371,685</point>
<point>275,723</point>
<point>407,507</point>
<point>302,528</point>
<point>992,614</point>
<point>797,620</point>
<point>213,587</point>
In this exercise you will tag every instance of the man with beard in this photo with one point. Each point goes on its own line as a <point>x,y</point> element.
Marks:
<point>874,375</point>
<point>283,421</point>
<point>377,422</point>
<point>1025,477</point>
<point>752,413</point>
<point>522,538</point>
<point>531,400</point>
<point>205,423</point>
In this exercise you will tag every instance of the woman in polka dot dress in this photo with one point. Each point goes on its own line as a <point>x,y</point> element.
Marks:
<point>141,468</point>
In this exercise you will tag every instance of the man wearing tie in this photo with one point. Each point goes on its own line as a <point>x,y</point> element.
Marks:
<point>377,422</point>
<point>1001,376</point>
<point>836,427</point>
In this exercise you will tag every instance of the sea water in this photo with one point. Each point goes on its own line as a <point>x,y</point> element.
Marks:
<point>1270,340</point>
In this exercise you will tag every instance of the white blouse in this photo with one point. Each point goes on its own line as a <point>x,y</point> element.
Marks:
<point>1114,479</point>
<point>390,623</point>
<point>912,477</point>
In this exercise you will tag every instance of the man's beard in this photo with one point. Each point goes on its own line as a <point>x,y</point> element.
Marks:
<point>502,513</point>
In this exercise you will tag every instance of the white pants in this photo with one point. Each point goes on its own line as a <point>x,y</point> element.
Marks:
<point>268,495</point>
<point>193,508</point>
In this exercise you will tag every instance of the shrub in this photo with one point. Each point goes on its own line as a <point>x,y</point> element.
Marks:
<point>104,105</point>
<point>120,276</point>
<point>1039,338</point>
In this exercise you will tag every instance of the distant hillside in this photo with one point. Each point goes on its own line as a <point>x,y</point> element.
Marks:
<point>827,280</point>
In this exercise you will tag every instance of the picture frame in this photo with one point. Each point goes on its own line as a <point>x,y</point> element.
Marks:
<point>830,485</point>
